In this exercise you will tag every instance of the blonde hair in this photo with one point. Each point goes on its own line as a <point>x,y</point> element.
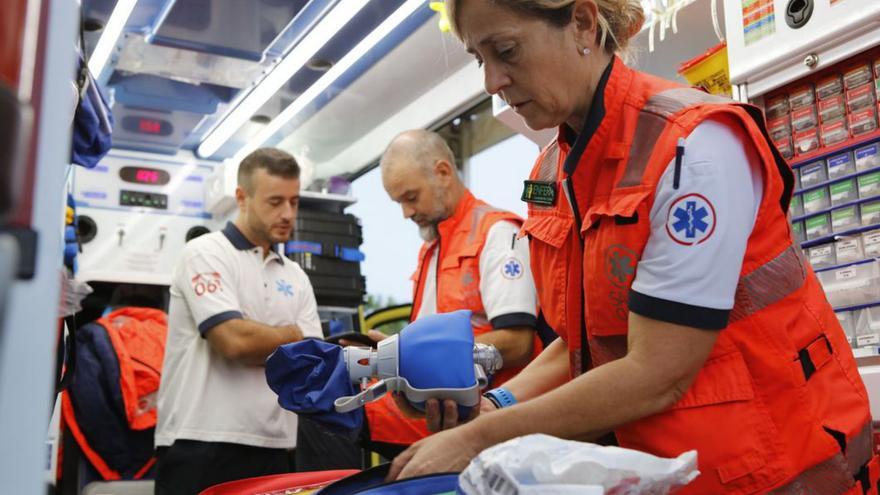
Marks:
<point>619,20</point>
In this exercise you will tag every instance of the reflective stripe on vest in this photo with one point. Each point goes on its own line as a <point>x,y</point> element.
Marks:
<point>652,121</point>
<point>769,283</point>
<point>838,473</point>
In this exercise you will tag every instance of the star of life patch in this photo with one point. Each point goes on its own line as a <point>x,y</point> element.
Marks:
<point>512,269</point>
<point>690,219</point>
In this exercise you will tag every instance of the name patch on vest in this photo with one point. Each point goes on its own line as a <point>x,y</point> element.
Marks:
<point>539,192</point>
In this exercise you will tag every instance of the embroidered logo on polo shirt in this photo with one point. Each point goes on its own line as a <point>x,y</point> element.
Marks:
<point>206,283</point>
<point>539,192</point>
<point>690,220</point>
<point>512,269</point>
<point>284,287</point>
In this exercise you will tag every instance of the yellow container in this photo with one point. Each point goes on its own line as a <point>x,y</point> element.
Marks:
<point>709,71</point>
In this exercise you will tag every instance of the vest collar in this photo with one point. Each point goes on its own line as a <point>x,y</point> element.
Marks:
<point>464,206</point>
<point>607,101</point>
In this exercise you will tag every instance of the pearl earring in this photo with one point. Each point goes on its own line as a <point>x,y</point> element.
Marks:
<point>585,51</point>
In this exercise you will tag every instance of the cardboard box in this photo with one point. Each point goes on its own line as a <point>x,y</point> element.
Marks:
<point>867,157</point>
<point>797,206</point>
<point>813,173</point>
<point>843,192</point>
<point>822,256</point>
<point>871,243</point>
<point>818,226</point>
<point>832,108</point>
<point>804,118</point>
<point>841,165</point>
<point>785,147</point>
<point>802,96</point>
<point>860,98</point>
<point>869,184</point>
<point>797,230</point>
<point>777,107</point>
<point>849,249</point>
<point>834,132</point>
<point>829,86</point>
<point>870,212</point>
<point>816,200</point>
<point>857,76</point>
<point>863,122</point>
<point>806,141</point>
<point>844,219</point>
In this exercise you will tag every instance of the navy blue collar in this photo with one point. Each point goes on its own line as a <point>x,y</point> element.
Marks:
<point>578,142</point>
<point>240,242</point>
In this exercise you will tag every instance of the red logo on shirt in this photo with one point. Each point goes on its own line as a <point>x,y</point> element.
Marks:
<point>208,282</point>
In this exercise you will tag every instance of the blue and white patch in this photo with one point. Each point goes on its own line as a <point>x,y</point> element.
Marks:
<point>512,269</point>
<point>690,220</point>
<point>284,287</point>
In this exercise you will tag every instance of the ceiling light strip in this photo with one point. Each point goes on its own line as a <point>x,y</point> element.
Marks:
<point>109,38</point>
<point>344,11</point>
<point>331,76</point>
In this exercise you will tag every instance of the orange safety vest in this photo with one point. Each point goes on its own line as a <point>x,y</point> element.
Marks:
<point>461,241</point>
<point>779,405</point>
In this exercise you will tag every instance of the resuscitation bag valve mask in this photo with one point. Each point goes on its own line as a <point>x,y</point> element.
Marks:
<point>435,357</point>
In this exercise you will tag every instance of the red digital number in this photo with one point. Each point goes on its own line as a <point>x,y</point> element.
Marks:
<point>148,176</point>
<point>150,126</point>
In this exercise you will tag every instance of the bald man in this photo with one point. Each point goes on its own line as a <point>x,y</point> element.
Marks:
<point>471,259</point>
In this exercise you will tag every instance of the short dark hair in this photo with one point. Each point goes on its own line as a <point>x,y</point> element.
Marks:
<point>272,160</point>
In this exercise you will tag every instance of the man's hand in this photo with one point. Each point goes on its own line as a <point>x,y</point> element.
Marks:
<point>373,334</point>
<point>446,419</point>
<point>292,333</point>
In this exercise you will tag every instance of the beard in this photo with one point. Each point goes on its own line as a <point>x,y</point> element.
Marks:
<point>264,232</point>
<point>429,233</point>
<point>428,223</point>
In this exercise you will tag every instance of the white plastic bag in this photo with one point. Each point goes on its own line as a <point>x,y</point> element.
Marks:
<point>541,464</point>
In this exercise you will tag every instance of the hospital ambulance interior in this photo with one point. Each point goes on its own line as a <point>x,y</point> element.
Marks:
<point>123,124</point>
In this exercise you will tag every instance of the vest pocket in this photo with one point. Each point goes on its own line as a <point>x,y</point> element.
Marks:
<point>615,231</point>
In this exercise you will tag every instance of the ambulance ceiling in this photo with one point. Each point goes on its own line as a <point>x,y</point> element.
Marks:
<point>316,77</point>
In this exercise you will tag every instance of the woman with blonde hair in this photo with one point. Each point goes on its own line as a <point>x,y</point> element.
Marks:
<point>664,260</point>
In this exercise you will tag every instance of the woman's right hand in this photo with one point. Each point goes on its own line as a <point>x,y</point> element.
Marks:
<point>448,418</point>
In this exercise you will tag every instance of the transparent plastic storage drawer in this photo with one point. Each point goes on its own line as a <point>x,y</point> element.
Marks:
<point>852,285</point>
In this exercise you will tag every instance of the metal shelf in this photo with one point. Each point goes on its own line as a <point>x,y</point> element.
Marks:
<point>832,237</point>
<point>824,153</point>
<point>844,265</point>
<point>831,208</point>
<point>828,182</point>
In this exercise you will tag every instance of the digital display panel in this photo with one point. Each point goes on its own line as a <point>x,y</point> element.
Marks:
<point>147,125</point>
<point>144,175</point>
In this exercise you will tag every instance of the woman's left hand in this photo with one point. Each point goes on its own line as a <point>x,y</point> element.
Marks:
<point>445,452</point>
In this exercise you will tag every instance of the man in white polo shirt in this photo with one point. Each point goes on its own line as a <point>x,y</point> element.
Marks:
<point>234,300</point>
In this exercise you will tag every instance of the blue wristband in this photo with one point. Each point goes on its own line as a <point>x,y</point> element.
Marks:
<point>501,397</point>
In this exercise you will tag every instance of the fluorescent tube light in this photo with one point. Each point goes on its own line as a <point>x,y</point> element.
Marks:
<point>331,24</point>
<point>110,36</point>
<point>330,77</point>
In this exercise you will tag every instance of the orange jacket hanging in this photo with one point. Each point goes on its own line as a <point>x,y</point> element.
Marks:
<point>462,237</point>
<point>779,405</point>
